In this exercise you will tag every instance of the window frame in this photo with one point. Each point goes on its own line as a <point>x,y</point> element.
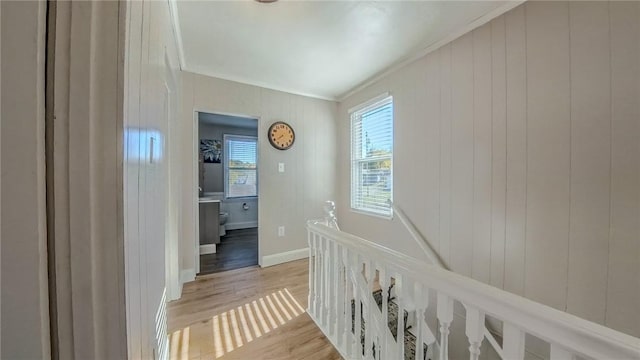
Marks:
<point>355,115</point>
<point>226,168</point>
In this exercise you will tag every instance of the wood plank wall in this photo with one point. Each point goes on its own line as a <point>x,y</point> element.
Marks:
<point>517,152</point>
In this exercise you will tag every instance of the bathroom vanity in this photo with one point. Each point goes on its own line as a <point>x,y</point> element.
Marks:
<point>209,210</point>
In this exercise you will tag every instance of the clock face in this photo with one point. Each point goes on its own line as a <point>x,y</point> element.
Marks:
<point>281,135</point>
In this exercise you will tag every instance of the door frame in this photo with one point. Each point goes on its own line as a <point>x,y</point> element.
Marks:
<point>194,190</point>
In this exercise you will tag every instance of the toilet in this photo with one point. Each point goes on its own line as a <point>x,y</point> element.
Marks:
<point>224,216</point>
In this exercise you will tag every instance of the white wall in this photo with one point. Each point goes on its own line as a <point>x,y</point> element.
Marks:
<point>516,154</point>
<point>24,297</point>
<point>151,223</point>
<point>286,199</point>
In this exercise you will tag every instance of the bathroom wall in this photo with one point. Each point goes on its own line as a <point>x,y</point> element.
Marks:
<point>214,173</point>
<point>239,218</point>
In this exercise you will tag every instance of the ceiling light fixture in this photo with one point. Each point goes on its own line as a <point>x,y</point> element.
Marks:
<point>266,1</point>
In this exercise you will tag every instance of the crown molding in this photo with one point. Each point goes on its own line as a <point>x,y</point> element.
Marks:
<point>433,47</point>
<point>177,33</point>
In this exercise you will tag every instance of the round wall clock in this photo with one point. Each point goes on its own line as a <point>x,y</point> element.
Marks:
<point>281,135</point>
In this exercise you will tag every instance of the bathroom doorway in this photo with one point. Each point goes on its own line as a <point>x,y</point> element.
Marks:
<point>227,192</point>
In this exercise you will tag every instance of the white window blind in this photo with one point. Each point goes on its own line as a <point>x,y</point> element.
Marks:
<point>240,166</point>
<point>372,157</point>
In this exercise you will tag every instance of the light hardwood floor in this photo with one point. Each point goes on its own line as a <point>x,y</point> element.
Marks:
<point>248,313</point>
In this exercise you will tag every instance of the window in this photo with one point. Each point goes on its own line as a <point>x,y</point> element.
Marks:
<point>240,166</point>
<point>372,157</point>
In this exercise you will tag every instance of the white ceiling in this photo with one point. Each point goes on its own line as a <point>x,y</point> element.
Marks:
<point>227,120</point>
<point>317,48</point>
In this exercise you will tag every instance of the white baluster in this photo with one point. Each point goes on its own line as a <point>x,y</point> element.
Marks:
<point>336,284</point>
<point>400,330</point>
<point>326,288</point>
<point>323,280</point>
<point>331,280</point>
<point>369,328</point>
<point>348,336</point>
<point>560,353</point>
<point>340,289</point>
<point>357,309</point>
<point>384,284</point>
<point>318,278</point>
<point>421,302</point>
<point>445,317</point>
<point>474,331</point>
<point>513,342</point>
<point>311,299</point>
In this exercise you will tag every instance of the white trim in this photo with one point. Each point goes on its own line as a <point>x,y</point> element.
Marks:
<point>208,249</point>
<point>259,84</point>
<point>371,102</point>
<point>225,162</point>
<point>433,47</point>
<point>175,22</point>
<point>578,336</point>
<point>187,275</point>
<point>195,148</point>
<point>195,194</point>
<point>371,213</point>
<point>241,225</point>
<point>283,257</point>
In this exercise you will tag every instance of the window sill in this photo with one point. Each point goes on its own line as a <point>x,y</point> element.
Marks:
<point>373,214</point>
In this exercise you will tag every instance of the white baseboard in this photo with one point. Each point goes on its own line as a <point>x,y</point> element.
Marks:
<point>284,257</point>
<point>241,225</point>
<point>207,249</point>
<point>187,275</point>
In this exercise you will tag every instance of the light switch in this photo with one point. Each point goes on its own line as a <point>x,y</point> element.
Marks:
<point>281,167</point>
<point>280,230</point>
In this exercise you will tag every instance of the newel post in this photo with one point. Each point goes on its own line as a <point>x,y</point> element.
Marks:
<point>330,214</point>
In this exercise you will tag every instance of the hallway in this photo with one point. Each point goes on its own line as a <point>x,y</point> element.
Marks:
<point>256,313</point>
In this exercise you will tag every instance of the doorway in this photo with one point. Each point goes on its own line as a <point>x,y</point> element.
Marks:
<point>227,192</point>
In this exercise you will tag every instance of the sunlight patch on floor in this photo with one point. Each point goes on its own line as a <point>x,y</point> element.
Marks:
<point>237,327</point>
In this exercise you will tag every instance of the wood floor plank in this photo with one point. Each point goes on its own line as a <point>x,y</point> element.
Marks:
<point>221,316</point>
<point>237,249</point>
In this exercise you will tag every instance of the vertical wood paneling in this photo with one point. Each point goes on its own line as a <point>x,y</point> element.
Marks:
<point>481,263</point>
<point>623,292</point>
<point>410,129</point>
<point>462,154</point>
<point>516,187</point>
<point>536,126</point>
<point>445,154</point>
<point>590,159</point>
<point>498,150</point>
<point>432,113</point>
<point>548,152</point>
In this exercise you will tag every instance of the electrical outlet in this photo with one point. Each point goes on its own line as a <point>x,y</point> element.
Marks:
<point>280,230</point>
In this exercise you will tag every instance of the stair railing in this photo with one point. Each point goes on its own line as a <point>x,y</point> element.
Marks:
<point>417,236</point>
<point>334,255</point>
<point>433,257</point>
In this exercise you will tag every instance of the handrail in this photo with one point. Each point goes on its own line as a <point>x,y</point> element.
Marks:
<point>433,256</point>
<point>422,242</point>
<point>554,326</point>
